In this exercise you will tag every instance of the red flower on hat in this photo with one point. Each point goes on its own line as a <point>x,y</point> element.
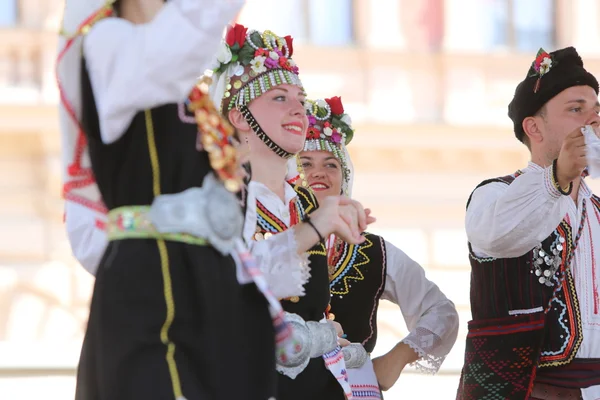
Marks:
<point>289,40</point>
<point>335,103</point>
<point>541,66</point>
<point>236,35</point>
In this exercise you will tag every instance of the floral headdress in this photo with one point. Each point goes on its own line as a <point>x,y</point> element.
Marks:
<point>250,63</point>
<point>330,129</point>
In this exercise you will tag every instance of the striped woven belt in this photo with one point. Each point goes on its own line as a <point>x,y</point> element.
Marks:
<point>133,222</point>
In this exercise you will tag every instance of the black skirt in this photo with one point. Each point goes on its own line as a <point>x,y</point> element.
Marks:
<point>183,322</point>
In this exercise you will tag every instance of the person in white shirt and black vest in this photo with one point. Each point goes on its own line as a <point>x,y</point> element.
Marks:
<point>152,188</point>
<point>533,238</point>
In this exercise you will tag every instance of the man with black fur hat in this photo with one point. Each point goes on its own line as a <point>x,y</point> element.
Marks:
<point>535,278</point>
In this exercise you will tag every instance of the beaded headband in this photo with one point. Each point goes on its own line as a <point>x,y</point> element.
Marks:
<point>251,64</point>
<point>330,129</point>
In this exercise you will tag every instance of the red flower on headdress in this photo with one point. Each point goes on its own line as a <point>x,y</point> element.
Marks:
<point>289,41</point>
<point>236,35</point>
<point>261,52</point>
<point>313,133</point>
<point>335,103</point>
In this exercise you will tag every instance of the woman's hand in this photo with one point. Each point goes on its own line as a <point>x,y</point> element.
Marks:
<point>342,216</point>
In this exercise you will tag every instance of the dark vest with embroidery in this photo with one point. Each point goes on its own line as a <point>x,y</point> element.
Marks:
<point>357,280</point>
<point>315,382</point>
<point>511,335</point>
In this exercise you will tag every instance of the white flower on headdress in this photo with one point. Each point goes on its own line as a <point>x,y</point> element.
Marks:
<point>321,103</point>
<point>545,65</point>
<point>224,53</point>
<point>327,131</point>
<point>274,55</point>
<point>258,64</point>
<point>347,120</point>
<point>291,62</point>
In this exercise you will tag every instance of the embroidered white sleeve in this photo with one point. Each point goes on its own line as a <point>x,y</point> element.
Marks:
<point>430,317</point>
<point>509,220</point>
<point>285,271</point>
<point>137,67</point>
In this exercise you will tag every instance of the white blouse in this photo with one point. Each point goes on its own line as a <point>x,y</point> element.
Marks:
<point>509,220</point>
<point>430,316</point>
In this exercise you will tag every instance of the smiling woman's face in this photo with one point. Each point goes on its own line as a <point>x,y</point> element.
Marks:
<point>323,172</point>
<point>280,113</point>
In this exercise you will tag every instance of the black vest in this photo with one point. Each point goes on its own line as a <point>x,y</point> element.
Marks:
<point>356,283</point>
<point>123,168</point>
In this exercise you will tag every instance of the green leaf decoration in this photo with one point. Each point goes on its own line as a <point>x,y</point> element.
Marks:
<point>540,51</point>
<point>257,40</point>
<point>321,112</point>
<point>246,54</point>
<point>349,136</point>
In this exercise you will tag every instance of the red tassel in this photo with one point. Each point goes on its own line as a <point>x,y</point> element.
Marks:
<point>537,85</point>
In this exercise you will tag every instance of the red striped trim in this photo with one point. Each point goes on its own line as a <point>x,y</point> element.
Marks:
<point>505,329</point>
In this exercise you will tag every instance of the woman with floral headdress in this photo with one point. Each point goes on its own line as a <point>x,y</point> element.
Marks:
<point>256,85</point>
<point>361,274</point>
<point>149,167</point>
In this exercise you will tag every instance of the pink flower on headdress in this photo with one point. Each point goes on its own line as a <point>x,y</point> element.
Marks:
<point>270,63</point>
<point>311,120</point>
<point>336,137</point>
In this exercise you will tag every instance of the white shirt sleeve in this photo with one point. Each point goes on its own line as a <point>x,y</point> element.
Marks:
<point>507,221</point>
<point>285,271</point>
<point>430,317</point>
<point>137,67</point>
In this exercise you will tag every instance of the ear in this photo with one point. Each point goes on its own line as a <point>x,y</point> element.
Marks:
<point>238,121</point>
<point>532,126</point>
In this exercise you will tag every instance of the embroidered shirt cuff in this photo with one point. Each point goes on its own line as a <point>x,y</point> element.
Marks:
<point>424,343</point>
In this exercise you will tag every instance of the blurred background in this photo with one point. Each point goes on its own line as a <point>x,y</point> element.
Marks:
<point>427,83</point>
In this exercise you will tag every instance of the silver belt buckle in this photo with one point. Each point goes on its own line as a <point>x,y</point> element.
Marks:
<point>210,212</point>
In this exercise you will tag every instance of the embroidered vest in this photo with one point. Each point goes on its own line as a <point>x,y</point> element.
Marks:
<point>519,324</point>
<point>313,304</point>
<point>356,281</point>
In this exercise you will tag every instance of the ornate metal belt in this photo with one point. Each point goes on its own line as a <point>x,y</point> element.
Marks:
<point>208,215</point>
